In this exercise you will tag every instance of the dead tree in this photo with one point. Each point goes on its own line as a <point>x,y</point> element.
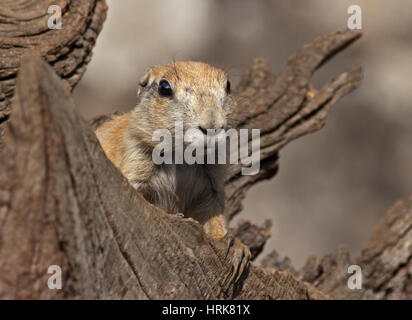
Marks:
<point>63,203</point>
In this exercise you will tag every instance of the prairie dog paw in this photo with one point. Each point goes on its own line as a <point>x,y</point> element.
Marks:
<point>240,257</point>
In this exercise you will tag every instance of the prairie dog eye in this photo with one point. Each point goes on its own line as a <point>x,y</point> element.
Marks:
<point>165,89</point>
<point>228,87</point>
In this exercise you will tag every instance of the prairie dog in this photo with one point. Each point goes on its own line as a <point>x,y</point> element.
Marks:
<point>198,95</point>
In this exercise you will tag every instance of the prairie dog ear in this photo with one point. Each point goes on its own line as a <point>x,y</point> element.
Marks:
<point>144,80</point>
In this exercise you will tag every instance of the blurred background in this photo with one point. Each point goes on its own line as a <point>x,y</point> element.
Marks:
<point>333,185</point>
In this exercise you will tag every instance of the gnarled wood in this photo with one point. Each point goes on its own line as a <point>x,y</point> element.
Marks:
<point>64,203</point>
<point>77,211</point>
<point>24,27</point>
<point>386,263</point>
<point>285,106</point>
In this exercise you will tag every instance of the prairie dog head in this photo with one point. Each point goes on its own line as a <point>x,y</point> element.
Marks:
<point>194,93</point>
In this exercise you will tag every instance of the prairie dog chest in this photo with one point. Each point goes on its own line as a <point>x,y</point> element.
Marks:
<point>194,190</point>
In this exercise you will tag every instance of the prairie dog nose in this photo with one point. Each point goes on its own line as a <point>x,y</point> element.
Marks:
<point>211,118</point>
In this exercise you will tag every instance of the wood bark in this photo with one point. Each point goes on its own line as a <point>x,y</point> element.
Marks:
<point>386,262</point>
<point>78,212</point>
<point>24,27</point>
<point>63,203</point>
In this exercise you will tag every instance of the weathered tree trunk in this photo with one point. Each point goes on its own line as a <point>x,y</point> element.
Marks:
<point>386,263</point>
<point>63,203</point>
<point>24,27</point>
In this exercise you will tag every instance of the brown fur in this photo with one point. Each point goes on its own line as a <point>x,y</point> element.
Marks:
<point>199,100</point>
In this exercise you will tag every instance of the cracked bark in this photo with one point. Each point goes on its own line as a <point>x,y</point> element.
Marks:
<point>24,27</point>
<point>65,214</point>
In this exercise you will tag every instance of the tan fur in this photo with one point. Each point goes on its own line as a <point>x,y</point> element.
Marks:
<point>199,100</point>
<point>111,134</point>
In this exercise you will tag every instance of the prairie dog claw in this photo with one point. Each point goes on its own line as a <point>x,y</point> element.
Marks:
<point>240,258</point>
